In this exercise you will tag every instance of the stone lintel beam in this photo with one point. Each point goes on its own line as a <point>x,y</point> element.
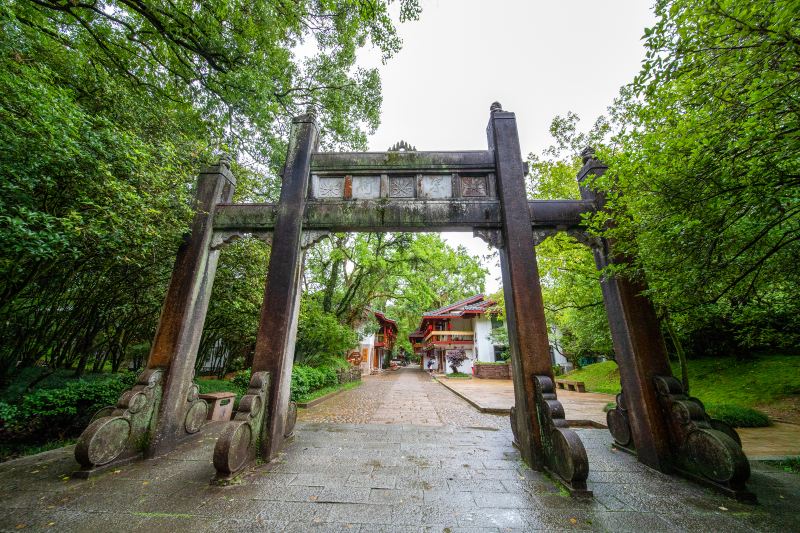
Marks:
<point>479,161</point>
<point>400,215</point>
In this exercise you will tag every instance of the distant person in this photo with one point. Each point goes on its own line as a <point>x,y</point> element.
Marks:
<point>430,366</point>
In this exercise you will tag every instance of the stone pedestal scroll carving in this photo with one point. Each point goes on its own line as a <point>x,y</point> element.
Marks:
<point>706,450</point>
<point>619,424</point>
<point>237,445</point>
<point>121,433</point>
<point>565,456</point>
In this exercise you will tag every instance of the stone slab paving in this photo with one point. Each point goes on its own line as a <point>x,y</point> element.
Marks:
<point>461,476</point>
<point>498,395</point>
<point>776,441</point>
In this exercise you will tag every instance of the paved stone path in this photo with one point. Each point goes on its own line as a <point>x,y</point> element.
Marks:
<point>405,396</point>
<point>382,477</point>
<point>497,395</point>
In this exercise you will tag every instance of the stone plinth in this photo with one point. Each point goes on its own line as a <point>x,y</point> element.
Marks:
<point>220,405</point>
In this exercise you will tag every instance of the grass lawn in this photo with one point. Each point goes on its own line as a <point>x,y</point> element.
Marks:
<point>723,380</point>
<point>327,390</point>
<point>208,386</point>
<point>717,382</point>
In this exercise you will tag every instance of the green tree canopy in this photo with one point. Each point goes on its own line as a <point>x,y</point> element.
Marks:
<point>107,112</point>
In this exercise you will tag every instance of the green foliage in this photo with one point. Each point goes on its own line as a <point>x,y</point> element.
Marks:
<point>327,390</point>
<point>64,411</point>
<point>791,464</point>
<point>708,171</point>
<point>599,377</point>
<point>207,386</point>
<point>12,450</point>
<point>320,335</point>
<point>737,416</point>
<point>109,110</point>
<point>403,274</point>
<point>242,379</point>
<point>570,281</point>
<point>307,379</point>
<point>457,375</point>
<point>489,363</point>
<point>716,381</point>
<point>702,184</point>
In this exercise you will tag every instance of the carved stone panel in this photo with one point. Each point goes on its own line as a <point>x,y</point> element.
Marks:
<point>401,187</point>
<point>474,186</point>
<point>366,187</point>
<point>436,186</point>
<point>329,187</point>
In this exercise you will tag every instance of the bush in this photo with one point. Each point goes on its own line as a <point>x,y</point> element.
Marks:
<point>62,412</point>
<point>307,379</point>
<point>242,379</point>
<point>455,358</point>
<point>738,416</point>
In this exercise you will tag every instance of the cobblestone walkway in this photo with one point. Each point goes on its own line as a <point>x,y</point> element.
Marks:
<point>347,477</point>
<point>405,396</point>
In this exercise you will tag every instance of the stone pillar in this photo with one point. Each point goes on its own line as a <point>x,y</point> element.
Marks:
<point>269,417</point>
<point>654,419</point>
<point>164,406</point>
<point>538,417</point>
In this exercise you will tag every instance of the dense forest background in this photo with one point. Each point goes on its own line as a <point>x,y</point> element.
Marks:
<point>109,109</point>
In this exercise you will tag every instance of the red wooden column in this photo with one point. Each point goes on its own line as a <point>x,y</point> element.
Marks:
<point>537,417</point>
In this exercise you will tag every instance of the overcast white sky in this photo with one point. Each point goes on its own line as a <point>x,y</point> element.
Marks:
<point>537,58</point>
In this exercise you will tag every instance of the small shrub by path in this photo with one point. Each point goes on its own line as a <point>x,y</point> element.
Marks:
<point>328,390</point>
<point>737,416</point>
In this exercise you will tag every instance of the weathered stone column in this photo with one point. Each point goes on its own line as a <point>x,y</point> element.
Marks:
<point>163,407</point>
<point>268,417</point>
<point>538,417</point>
<point>654,419</point>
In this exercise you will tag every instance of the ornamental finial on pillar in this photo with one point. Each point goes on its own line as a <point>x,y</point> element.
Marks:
<point>496,106</point>
<point>587,154</point>
<point>225,160</point>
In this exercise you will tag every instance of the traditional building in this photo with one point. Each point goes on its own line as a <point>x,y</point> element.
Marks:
<point>465,325</point>
<point>377,344</point>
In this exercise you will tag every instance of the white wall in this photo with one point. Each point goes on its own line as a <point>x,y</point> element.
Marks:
<point>483,343</point>
<point>555,338</point>
<point>369,343</point>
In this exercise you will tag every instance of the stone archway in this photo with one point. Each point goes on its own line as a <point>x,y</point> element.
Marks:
<point>408,190</point>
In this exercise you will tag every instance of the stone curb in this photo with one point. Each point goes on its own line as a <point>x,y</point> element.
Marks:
<point>501,411</point>
<point>315,401</point>
<point>476,405</point>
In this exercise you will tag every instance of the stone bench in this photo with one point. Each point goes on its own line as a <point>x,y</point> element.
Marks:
<point>568,384</point>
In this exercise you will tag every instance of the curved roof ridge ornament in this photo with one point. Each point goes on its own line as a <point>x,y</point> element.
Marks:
<point>402,146</point>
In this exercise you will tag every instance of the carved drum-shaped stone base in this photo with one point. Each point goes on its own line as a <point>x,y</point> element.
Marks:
<point>121,433</point>
<point>237,445</point>
<point>705,449</point>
